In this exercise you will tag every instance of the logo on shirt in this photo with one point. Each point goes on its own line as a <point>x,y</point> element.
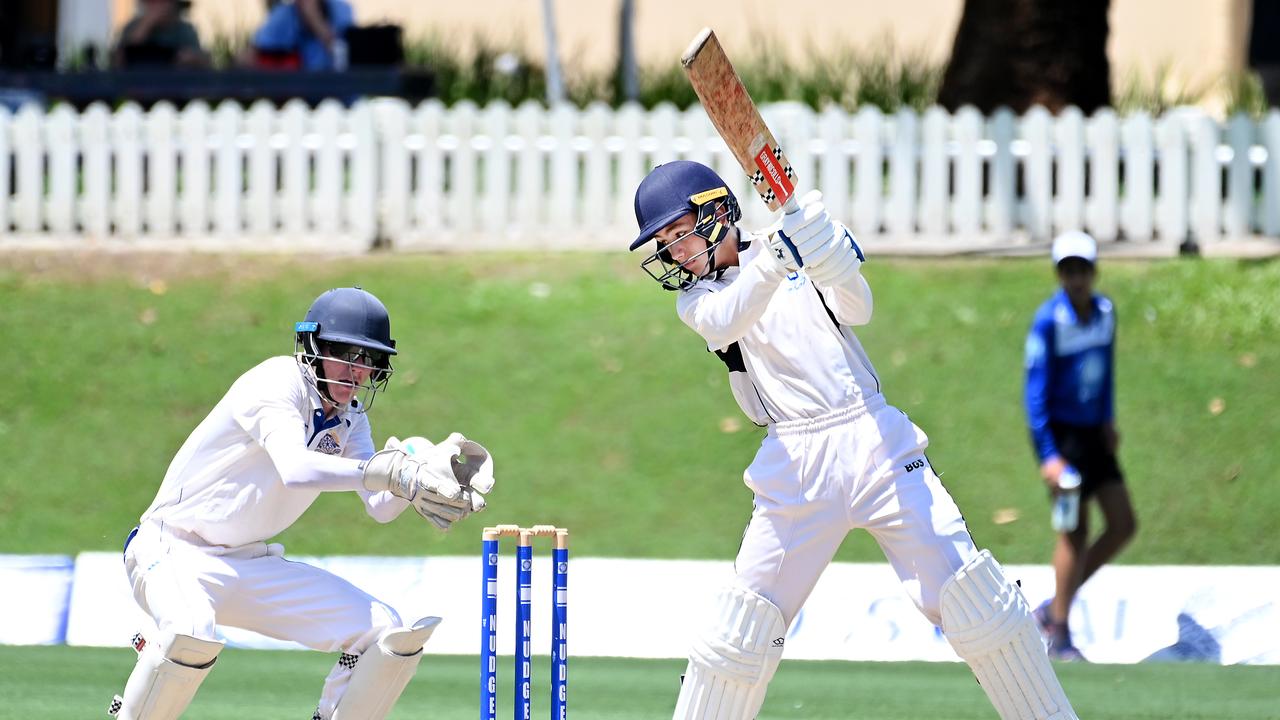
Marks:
<point>329,445</point>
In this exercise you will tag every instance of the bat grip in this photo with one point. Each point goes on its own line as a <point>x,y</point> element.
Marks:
<point>790,206</point>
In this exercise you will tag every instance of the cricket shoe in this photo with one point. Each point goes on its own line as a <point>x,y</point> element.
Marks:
<point>1043,619</point>
<point>1066,653</point>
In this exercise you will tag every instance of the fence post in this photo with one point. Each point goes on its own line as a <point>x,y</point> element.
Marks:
<point>1171,206</point>
<point>6,127</point>
<point>833,178</point>
<point>295,185</point>
<point>966,208</point>
<point>96,171</point>
<point>361,201</point>
<point>193,202</point>
<point>900,219</point>
<point>1037,173</point>
<point>260,205</point>
<point>462,170</point>
<point>495,197</point>
<point>325,204</point>
<point>162,173</point>
<point>1270,174</point>
<point>564,172</point>
<point>1101,206</point>
<point>597,185</point>
<point>631,165</point>
<point>1002,200</point>
<point>1137,213</point>
<point>228,176</point>
<point>868,199</point>
<point>1206,177</point>
<point>1068,204</point>
<point>530,199</point>
<point>429,187</point>
<point>28,149</point>
<point>1239,212</point>
<point>934,173</point>
<point>60,129</point>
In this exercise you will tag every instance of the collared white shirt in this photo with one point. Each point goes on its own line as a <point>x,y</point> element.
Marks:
<point>261,457</point>
<point>787,342</point>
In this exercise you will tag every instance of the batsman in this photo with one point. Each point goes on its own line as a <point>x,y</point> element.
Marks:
<point>779,308</point>
<point>287,430</point>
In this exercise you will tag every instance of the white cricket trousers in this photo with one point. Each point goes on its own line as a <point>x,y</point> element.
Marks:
<point>862,467</point>
<point>189,587</point>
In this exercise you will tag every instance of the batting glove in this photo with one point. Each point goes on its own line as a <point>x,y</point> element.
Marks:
<point>843,260</point>
<point>807,234</point>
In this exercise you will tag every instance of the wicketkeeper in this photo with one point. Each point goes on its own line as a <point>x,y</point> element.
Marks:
<point>778,308</point>
<point>288,430</point>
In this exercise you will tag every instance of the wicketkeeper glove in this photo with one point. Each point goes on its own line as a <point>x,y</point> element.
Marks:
<point>429,486</point>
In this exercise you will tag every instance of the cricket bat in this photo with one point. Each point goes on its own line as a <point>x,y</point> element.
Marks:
<point>738,121</point>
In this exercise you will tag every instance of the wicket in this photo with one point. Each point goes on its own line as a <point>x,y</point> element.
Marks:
<point>524,620</point>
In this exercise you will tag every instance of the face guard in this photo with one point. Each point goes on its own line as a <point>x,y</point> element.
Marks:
<point>311,353</point>
<point>717,211</point>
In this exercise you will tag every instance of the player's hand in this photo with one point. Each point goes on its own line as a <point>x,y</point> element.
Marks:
<point>1050,470</point>
<point>449,480</point>
<point>808,232</point>
<point>841,259</point>
<point>1111,438</point>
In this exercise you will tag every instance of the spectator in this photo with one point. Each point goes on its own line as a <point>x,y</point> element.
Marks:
<point>1070,390</point>
<point>159,36</point>
<point>303,35</point>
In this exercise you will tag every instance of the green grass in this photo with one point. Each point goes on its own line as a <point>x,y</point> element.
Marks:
<point>606,414</point>
<point>60,682</point>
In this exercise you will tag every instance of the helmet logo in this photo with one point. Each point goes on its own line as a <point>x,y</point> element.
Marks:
<point>708,195</point>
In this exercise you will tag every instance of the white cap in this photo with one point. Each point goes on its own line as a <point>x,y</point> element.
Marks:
<point>1075,244</point>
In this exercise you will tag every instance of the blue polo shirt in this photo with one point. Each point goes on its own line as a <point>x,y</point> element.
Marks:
<point>1070,368</point>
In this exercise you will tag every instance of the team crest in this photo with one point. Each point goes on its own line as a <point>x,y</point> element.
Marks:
<point>329,445</point>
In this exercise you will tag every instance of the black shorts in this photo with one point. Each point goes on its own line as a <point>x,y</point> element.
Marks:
<point>1084,447</point>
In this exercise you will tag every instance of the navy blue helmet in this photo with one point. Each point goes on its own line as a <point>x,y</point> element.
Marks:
<point>350,326</point>
<point>668,193</point>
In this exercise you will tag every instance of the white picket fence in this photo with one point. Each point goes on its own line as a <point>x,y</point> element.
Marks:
<point>461,177</point>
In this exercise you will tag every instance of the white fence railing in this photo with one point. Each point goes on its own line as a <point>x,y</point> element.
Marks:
<point>465,176</point>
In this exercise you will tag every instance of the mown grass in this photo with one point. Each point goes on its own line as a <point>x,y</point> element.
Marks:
<point>606,414</point>
<point>62,683</point>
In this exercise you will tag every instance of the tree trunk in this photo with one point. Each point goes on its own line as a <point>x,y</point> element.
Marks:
<point>1019,53</point>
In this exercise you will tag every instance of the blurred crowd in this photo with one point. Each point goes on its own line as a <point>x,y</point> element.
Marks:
<point>313,35</point>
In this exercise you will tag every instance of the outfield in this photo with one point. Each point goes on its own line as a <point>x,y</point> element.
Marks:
<point>606,415</point>
<point>60,683</point>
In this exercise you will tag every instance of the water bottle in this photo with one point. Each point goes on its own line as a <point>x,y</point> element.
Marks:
<point>341,56</point>
<point>1066,504</point>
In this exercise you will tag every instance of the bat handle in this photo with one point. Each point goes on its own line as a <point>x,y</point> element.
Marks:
<point>791,206</point>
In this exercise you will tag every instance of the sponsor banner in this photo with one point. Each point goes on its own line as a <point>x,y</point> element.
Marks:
<point>33,602</point>
<point>651,608</point>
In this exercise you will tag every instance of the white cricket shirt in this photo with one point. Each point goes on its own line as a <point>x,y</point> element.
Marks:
<point>261,457</point>
<point>787,342</point>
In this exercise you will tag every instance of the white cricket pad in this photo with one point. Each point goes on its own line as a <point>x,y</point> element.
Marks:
<point>166,677</point>
<point>731,664</point>
<point>383,671</point>
<point>988,622</point>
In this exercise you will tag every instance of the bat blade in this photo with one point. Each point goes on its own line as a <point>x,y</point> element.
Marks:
<point>738,120</point>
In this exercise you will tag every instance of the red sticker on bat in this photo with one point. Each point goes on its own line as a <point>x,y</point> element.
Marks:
<point>775,175</point>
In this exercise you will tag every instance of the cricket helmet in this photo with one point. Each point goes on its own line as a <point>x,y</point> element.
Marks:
<point>665,195</point>
<point>350,326</point>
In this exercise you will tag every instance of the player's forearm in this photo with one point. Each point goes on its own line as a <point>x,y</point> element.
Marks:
<point>303,468</point>
<point>850,299</point>
<point>383,506</point>
<point>722,318</point>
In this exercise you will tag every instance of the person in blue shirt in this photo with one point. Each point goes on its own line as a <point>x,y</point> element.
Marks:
<point>1069,395</point>
<point>303,35</point>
